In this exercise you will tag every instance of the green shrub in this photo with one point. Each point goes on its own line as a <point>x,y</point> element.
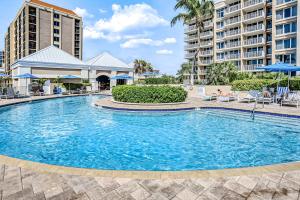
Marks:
<point>160,81</point>
<point>258,84</point>
<point>149,94</point>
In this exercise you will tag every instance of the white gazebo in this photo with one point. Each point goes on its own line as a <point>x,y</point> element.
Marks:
<point>104,67</point>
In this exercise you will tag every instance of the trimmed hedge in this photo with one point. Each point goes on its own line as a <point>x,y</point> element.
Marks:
<point>160,81</point>
<point>149,94</point>
<point>258,84</point>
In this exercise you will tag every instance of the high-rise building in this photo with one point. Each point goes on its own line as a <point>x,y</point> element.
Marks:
<point>2,59</point>
<point>39,25</point>
<point>249,33</point>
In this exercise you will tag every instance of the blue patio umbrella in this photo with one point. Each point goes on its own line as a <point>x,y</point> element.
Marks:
<point>124,76</point>
<point>150,74</point>
<point>26,76</point>
<point>69,77</point>
<point>3,75</point>
<point>281,67</point>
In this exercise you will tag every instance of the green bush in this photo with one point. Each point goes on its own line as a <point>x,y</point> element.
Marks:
<point>149,94</point>
<point>160,81</point>
<point>258,84</point>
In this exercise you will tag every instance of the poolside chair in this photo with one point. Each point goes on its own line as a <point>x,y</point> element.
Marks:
<point>265,97</point>
<point>293,99</point>
<point>282,92</point>
<point>227,98</point>
<point>205,97</point>
<point>250,97</point>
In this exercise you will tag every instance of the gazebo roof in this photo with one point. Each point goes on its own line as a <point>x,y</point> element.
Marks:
<point>106,60</point>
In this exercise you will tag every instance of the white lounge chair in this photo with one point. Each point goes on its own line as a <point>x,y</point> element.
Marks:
<point>293,99</point>
<point>205,97</point>
<point>250,97</point>
<point>226,98</point>
<point>265,97</point>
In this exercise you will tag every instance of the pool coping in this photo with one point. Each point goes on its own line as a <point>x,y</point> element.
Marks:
<point>47,168</point>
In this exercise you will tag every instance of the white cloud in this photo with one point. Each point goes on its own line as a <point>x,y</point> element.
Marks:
<point>170,40</point>
<point>164,52</point>
<point>127,18</point>
<point>83,12</point>
<point>102,11</point>
<point>137,42</point>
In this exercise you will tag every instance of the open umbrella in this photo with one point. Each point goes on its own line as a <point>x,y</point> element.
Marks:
<point>26,76</point>
<point>124,76</point>
<point>281,67</point>
<point>69,77</point>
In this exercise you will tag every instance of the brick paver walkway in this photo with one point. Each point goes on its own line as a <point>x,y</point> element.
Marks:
<point>19,183</point>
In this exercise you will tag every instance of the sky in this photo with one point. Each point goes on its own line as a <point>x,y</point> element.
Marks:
<point>128,29</point>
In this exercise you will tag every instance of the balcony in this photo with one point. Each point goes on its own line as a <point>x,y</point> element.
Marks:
<point>191,46</point>
<point>252,67</point>
<point>206,53</point>
<point>208,24</point>
<point>206,34</point>
<point>232,9</point>
<point>233,56</point>
<point>254,29</point>
<point>207,43</point>
<point>253,4</point>
<point>233,21</point>
<point>203,71</point>
<point>232,33</point>
<point>254,16</point>
<point>190,38</point>
<point>190,29</point>
<point>189,55</point>
<point>206,62</point>
<point>233,44</point>
<point>254,41</point>
<point>254,54</point>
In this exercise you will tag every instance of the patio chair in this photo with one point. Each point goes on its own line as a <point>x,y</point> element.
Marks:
<point>265,97</point>
<point>227,98</point>
<point>293,99</point>
<point>282,92</point>
<point>250,97</point>
<point>205,97</point>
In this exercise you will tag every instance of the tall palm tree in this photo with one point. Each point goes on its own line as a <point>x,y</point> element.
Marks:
<point>142,66</point>
<point>198,10</point>
<point>185,69</point>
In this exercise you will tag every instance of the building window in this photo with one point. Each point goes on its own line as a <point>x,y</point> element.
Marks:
<point>286,13</point>
<point>220,45</point>
<point>287,58</point>
<point>286,44</point>
<point>56,23</point>
<point>220,24</point>
<point>56,45</point>
<point>220,35</point>
<point>56,16</point>
<point>56,39</point>
<point>56,31</point>
<point>220,13</point>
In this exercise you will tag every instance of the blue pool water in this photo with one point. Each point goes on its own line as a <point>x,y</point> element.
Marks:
<point>73,132</point>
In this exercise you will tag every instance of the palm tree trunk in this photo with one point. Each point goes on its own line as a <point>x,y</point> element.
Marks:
<point>195,65</point>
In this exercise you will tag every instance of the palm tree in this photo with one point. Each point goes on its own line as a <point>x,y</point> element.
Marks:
<point>221,73</point>
<point>198,10</point>
<point>142,66</point>
<point>186,68</point>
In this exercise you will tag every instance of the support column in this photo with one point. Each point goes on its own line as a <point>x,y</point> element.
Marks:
<point>113,82</point>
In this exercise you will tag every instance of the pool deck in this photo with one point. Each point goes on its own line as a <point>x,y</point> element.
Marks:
<point>21,179</point>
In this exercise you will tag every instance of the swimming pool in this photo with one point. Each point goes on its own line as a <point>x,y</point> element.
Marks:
<point>73,132</point>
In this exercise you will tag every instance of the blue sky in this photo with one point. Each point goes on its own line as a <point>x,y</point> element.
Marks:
<point>128,29</point>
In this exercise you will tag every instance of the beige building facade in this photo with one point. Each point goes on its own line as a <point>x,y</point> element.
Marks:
<point>38,25</point>
<point>249,33</point>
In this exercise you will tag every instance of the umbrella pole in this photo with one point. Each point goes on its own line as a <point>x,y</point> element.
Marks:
<point>289,74</point>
